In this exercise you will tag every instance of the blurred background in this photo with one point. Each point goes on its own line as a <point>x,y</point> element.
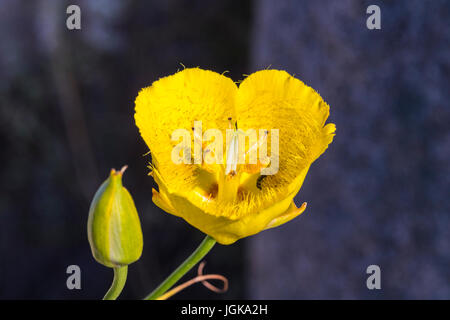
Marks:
<point>379,195</point>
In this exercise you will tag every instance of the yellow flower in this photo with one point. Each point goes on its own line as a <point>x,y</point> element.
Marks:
<point>229,204</point>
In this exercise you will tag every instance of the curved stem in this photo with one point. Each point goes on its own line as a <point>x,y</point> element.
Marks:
<point>201,278</point>
<point>120,277</point>
<point>187,265</point>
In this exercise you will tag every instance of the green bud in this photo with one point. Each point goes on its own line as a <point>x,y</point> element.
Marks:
<point>114,230</point>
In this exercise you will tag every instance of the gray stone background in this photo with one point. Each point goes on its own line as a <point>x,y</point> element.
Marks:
<point>379,195</point>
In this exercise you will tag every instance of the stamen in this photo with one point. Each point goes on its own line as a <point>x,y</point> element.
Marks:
<point>228,178</point>
<point>232,154</point>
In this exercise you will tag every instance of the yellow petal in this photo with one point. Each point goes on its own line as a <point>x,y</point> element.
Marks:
<point>292,212</point>
<point>162,202</point>
<point>226,230</point>
<point>175,102</point>
<point>272,99</point>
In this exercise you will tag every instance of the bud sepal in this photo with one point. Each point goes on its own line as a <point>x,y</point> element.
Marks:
<point>114,229</point>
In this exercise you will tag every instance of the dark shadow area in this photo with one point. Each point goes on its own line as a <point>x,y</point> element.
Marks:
<point>67,107</point>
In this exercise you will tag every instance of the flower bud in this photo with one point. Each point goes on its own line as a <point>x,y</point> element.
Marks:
<point>114,230</point>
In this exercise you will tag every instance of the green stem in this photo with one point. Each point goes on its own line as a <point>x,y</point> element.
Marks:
<point>120,277</point>
<point>187,265</point>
